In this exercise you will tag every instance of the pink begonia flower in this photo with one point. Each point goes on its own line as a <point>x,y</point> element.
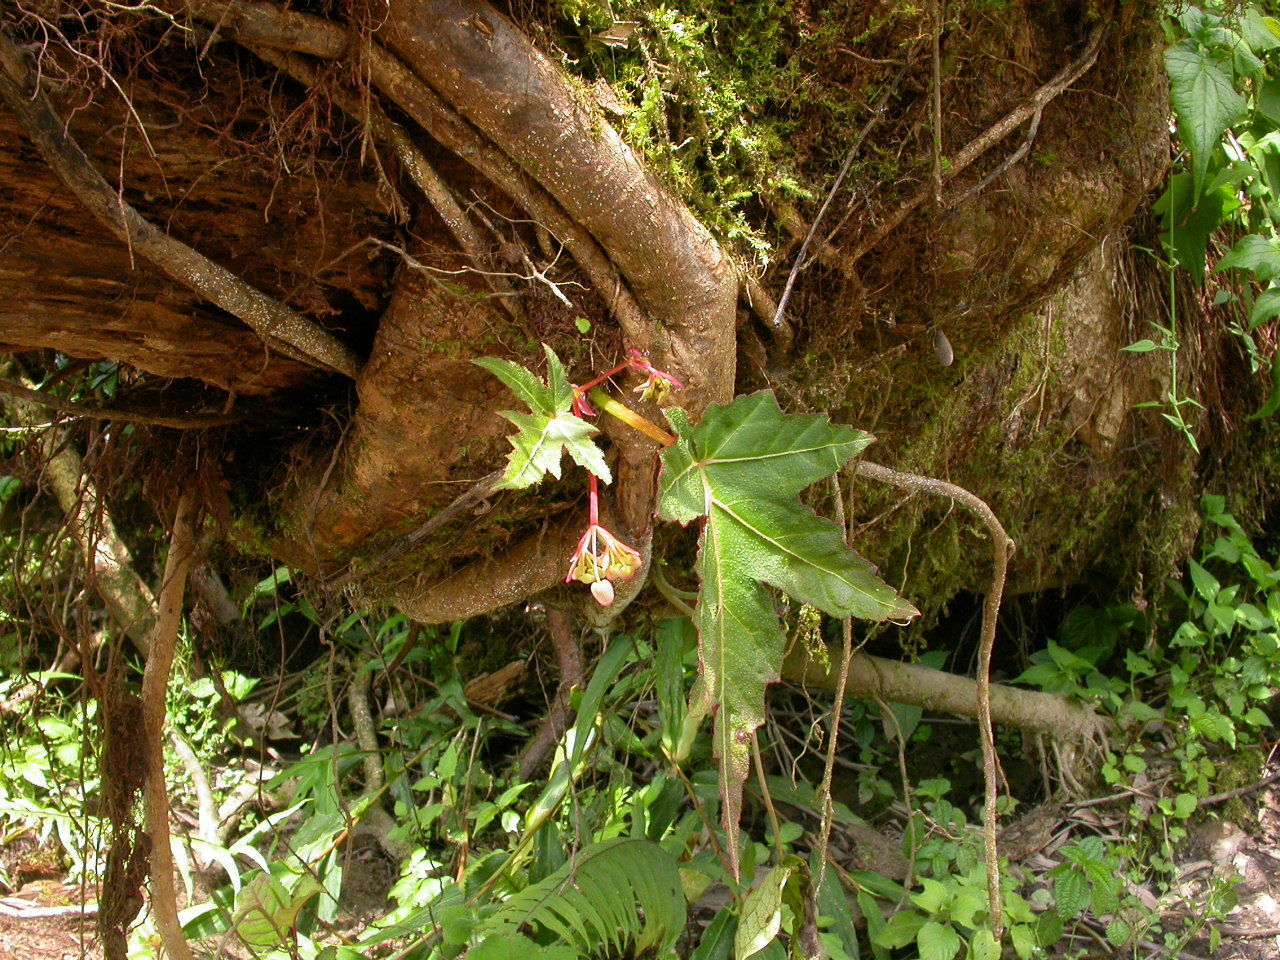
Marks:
<point>581,408</point>
<point>602,557</point>
<point>657,385</point>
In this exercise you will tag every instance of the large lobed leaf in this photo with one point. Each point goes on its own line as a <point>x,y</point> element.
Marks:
<point>548,430</point>
<point>741,468</point>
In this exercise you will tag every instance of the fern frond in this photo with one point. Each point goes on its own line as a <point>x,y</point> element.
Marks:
<point>617,894</point>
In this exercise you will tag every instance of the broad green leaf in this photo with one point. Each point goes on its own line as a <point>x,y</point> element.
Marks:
<point>934,896</point>
<point>985,946</point>
<point>717,939</point>
<point>1119,932</point>
<point>761,915</point>
<point>267,909</point>
<point>1254,253</point>
<point>835,906</point>
<point>900,930</point>
<point>516,946</point>
<point>1205,100</point>
<point>741,469</point>
<point>548,430</point>
<point>1273,401</point>
<point>1072,894</point>
<point>937,941</point>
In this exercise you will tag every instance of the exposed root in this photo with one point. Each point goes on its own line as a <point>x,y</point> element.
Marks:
<point>569,660</point>
<point>155,681</point>
<point>1001,546</point>
<point>277,324</point>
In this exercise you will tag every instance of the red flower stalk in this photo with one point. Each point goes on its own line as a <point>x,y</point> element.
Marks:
<point>601,558</point>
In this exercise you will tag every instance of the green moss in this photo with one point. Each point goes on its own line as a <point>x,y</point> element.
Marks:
<point>709,92</point>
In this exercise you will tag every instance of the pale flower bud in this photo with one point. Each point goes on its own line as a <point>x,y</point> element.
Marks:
<point>602,590</point>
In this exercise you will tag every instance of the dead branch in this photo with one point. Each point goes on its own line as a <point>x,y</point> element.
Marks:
<point>155,681</point>
<point>197,421</point>
<point>107,560</point>
<point>940,692</point>
<point>275,323</point>
<point>988,139</point>
<point>1001,546</point>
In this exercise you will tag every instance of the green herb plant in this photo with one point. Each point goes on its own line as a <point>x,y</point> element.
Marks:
<point>736,474</point>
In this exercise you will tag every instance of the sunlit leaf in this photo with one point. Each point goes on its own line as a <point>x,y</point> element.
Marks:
<point>1204,99</point>
<point>740,470</point>
<point>548,430</point>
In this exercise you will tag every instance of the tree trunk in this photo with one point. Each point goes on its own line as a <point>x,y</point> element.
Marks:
<point>283,206</point>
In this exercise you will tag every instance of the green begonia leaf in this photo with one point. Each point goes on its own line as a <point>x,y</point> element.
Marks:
<point>548,430</point>
<point>741,469</point>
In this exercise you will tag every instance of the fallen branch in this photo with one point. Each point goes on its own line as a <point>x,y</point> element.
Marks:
<point>19,910</point>
<point>1001,547</point>
<point>155,681</point>
<point>278,325</point>
<point>940,692</point>
<point>988,139</point>
<point>1237,792</point>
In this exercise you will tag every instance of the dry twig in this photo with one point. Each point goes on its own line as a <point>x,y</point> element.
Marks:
<point>1001,547</point>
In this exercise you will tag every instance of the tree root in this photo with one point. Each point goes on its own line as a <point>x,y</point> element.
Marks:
<point>1001,547</point>
<point>569,659</point>
<point>278,325</point>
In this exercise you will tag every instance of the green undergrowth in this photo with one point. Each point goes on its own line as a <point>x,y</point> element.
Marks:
<point>618,846</point>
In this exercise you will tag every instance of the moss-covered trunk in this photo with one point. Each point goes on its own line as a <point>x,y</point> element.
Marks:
<point>427,184</point>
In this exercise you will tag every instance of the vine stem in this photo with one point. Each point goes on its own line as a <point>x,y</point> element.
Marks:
<point>1001,547</point>
<point>155,681</point>
<point>837,709</point>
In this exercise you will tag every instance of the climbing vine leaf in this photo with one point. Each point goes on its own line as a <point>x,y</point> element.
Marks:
<point>741,468</point>
<point>548,430</point>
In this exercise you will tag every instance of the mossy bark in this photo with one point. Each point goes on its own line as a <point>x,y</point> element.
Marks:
<point>1027,277</point>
